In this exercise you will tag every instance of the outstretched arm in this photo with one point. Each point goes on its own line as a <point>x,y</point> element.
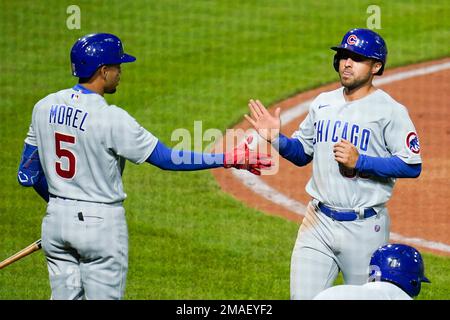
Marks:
<point>169,159</point>
<point>176,160</point>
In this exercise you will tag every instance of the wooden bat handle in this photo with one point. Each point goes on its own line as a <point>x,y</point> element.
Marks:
<point>22,253</point>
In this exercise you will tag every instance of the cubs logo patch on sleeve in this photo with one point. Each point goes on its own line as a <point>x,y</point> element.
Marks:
<point>412,142</point>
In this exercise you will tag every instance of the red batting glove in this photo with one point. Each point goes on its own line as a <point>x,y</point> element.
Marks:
<point>242,158</point>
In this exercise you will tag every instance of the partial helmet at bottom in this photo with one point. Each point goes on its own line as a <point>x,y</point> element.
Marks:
<point>399,264</point>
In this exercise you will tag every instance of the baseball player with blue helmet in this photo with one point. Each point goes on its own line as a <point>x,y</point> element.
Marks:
<point>360,140</point>
<point>74,156</point>
<point>396,273</point>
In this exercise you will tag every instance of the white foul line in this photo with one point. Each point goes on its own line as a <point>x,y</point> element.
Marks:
<point>257,185</point>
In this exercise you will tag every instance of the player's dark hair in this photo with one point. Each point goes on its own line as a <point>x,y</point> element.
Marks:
<point>83,80</point>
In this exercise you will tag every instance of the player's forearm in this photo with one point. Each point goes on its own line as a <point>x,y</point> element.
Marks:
<point>292,150</point>
<point>176,160</point>
<point>30,172</point>
<point>41,187</point>
<point>391,167</point>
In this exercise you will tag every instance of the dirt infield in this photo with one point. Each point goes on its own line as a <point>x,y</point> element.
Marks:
<point>418,207</point>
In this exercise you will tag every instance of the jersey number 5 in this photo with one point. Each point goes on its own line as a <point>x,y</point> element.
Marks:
<point>69,172</point>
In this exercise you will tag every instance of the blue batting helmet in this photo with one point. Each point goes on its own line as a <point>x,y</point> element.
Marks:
<point>399,264</point>
<point>364,42</point>
<point>95,50</point>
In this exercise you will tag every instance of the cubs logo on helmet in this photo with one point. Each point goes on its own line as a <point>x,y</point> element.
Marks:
<point>412,142</point>
<point>366,43</point>
<point>352,39</point>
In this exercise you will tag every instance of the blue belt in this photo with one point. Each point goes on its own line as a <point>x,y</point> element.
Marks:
<point>345,215</point>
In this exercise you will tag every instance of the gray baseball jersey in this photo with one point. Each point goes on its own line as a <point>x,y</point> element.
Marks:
<point>379,127</point>
<point>369,291</point>
<point>83,143</point>
<point>376,124</point>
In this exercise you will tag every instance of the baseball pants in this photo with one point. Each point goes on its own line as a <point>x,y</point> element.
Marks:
<point>86,247</point>
<point>325,246</point>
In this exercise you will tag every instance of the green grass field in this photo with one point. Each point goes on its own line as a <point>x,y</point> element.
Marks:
<point>196,60</point>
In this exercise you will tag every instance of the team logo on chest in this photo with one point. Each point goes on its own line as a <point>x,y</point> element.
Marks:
<point>412,142</point>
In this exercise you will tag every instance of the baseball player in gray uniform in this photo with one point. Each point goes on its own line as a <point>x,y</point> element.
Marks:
<point>396,273</point>
<point>359,140</point>
<point>74,157</point>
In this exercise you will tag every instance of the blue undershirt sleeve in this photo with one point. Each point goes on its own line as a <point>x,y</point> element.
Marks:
<point>179,160</point>
<point>292,150</point>
<point>41,187</point>
<point>30,172</point>
<point>391,167</point>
